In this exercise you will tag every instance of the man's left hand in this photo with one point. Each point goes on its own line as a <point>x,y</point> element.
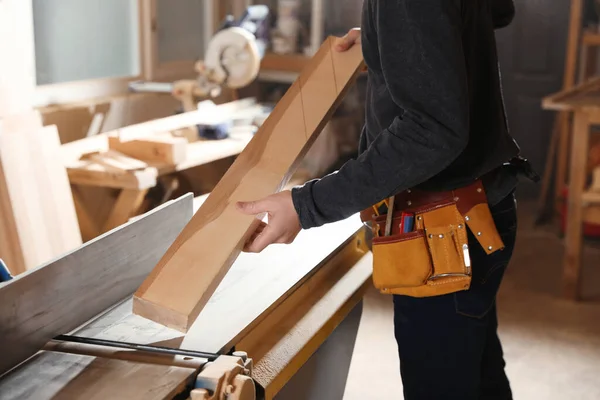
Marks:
<point>283,223</point>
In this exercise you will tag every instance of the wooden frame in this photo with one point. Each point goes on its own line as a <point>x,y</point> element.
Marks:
<point>183,281</point>
<point>557,157</point>
<point>584,102</point>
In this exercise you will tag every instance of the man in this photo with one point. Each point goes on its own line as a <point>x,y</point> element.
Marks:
<point>434,121</point>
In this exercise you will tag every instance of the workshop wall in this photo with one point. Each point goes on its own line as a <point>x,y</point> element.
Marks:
<point>532,57</point>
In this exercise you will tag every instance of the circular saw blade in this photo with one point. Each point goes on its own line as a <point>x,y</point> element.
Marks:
<point>233,57</point>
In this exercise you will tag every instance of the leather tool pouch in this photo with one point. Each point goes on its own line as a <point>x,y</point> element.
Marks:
<point>433,258</point>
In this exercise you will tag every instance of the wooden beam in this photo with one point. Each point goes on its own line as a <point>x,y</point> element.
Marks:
<point>593,114</point>
<point>591,198</point>
<point>564,118</point>
<point>161,149</point>
<point>128,202</point>
<point>115,161</point>
<point>12,232</point>
<point>60,296</point>
<point>87,224</point>
<point>38,213</point>
<point>186,277</point>
<point>94,174</point>
<point>573,232</point>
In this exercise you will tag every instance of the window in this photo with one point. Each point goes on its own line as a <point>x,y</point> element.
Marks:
<point>94,48</point>
<point>78,40</point>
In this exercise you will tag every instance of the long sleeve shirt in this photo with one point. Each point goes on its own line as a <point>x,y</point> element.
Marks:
<point>435,116</point>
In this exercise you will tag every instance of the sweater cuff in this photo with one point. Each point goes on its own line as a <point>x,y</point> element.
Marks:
<point>303,203</point>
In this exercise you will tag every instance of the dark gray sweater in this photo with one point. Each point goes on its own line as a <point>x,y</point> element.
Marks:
<point>434,109</point>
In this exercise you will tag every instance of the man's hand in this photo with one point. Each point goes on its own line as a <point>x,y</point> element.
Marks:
<point>348,40</point>
<point>283,223</point>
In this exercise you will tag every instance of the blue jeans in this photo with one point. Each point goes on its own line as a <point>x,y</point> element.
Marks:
<point>448,345</point>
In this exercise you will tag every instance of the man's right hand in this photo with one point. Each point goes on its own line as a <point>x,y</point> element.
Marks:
<point>348,40</point>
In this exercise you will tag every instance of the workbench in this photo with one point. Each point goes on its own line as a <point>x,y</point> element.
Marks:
<point>584,102</point>
<point>133,182</point>
<point>278,306</point>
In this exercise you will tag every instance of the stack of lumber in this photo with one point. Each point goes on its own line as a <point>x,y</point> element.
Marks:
<point>37,214</point>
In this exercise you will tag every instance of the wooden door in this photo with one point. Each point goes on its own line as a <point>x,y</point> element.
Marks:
<point>532,56</point>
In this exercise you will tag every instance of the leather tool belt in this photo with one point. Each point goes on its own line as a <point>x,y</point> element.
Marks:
<point>420,245</point>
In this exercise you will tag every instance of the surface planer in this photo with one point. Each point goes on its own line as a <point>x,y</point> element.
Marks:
<point>67,331</point>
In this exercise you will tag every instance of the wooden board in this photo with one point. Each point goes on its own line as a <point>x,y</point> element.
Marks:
<point>188,274</point>
<point>95,174</point>
<point>60,296</point>
<point>37,205</point>
<point>573,232</point>
<point>59,376</point>
<point>161,149</point>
